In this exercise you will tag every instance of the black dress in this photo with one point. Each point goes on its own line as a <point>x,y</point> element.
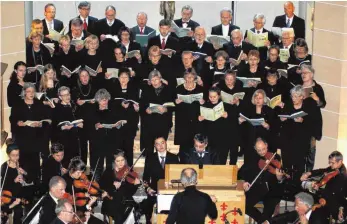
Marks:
<point>14,90</point>
<point>50,168</point>
<point>42,57</point>
<point>293,76</point>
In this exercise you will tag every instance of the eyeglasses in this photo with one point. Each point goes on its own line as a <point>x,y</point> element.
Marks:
<point>65,95</point>
<point>71,212</point>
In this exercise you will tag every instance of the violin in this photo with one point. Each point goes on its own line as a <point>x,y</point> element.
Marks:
<point>322,202</point>
<point>92,187</point>
<point>125,174</point>
<point>7,198</point>
<point>327,177</point>
<point>273,164</point>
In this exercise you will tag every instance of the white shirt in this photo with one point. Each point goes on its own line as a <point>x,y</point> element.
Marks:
<point>48,24</point>
<point>290,20</point>
<point>225,29</point>
<point>200,45</point>
<point>308,214</point>
<point>161,155</point>
<point>78,38</point>
<point>185,24</point>
<point>143,29</point>
<point>260,31</point>
<point>287,47</point>
<point>84,19</point>
<point>161,38</point>
<point>126,47</point>
<point>54,199</point>
<point>110,23</point>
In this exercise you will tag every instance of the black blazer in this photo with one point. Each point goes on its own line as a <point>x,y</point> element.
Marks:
<point>85,34</point>
<point>298,25</point>
<point>47,213</point>
<point>191,157</point>
<point>58,26</point>
<point>153,170</point>
<point>171,43</point>
<point>218,30</point>
<point>91,24</point>
<point>263,50</point>
<point>191,24</point>
<point>235,52</point>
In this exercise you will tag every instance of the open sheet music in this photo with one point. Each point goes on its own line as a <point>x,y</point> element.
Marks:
<point>254,121</point>
<point>294,115</point>
<point>212,114</point>
<point>228,98</point>
<point>190,98</point>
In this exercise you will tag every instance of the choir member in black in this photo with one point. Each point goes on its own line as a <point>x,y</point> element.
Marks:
<point>154,171</point>
<point>307,75</point>
<point>68,57</point>
<point>155,122</point>
<point>108,26</point>
<point>334,192</point>
<point>31,138</point>
<point>52,166</point>
<point>296,134</point>
<point>142,28</point>
<point>36,54</point>
<point>273,87</point>
<point>222,133</point>
<point>57,186</point>
<point>191,206</point>
<point>49,85</point>
<point>202,63</point>
<point>37,26</point>
<point>84,8</point>
<point>237,46</point>
<point>49,22</point>
<point>200,154</point>
<point>252,69</point>
<point>267,188</point>
<point>78,33</point>
<point>220,67</point>
<point>288,43</point>
<point>12,179</point>
<point>105,137</point>
<point>259,22</point>
<point>256,110</point>
<point>159,62</point>
<point>301,57</point>
<point>226,27</point>
<point>126,40</point>
<point>289,19</point>
<point>122,190</point>
<point>64,133</point>
<point>75,170</point>
<point>83,95</point>
<point>186,114</point>
<point>165,41</point>
<point>14,88</point>
<point>187,66</point>
<point>273,60</point>
<point>127,90</point>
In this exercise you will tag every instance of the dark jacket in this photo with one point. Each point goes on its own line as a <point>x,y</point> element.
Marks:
<point>47,213</point>
<point>298,25</point>
<point>91,24</point>
<point>58,26</point>
<point>209,158</point>
<point>218,30</point>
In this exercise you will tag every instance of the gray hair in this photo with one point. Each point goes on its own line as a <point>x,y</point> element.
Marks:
<point>154,73</point>
<point>60,206</point>
<point>142,13</point>
<point>102,94</point>
<point>308,67</point>
<point>187,179</point>
<point>26,86</point>
<point>223,54</point>
<point>187,7</point>
<point>297,90</point>
<point>84,4</point>
<point>187,52</point>
<point>63,88</point>
<point>259,16</point>
<point>305,198</point>
<point>256,93</point>
<point>76,22</point>
<point>236,31</point>
<point>110,7</point>
<point>226,9</point>
<point>190,72</point>
<point>55,180</point>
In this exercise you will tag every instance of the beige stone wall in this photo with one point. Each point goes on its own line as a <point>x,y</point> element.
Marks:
<point>12,47</point>
<point>330,62</point>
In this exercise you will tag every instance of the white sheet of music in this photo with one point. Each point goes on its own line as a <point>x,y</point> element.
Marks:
<point>164,202</point>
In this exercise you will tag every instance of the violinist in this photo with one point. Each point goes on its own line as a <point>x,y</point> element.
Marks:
<point>57,187</point>
<point>335,190</point>
<point>64,211</point>
<point>155,170</point>
<point>52,166</point>
<point>122,184</point>
<point>266,187</point>
<point>12,181</point>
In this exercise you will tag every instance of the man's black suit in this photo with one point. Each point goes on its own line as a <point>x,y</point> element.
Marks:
<point>263,50</point>
<point>58,26</point>
<point>191,206</point>
<point>91,24</point>
<point>171,43</point>
<point>47,213</point>
<point>191,24</point>
<point>298,25</point>
<point>218,30</point>
<point>209,158</point>
<point>85,35</point>
<point>234,52</point>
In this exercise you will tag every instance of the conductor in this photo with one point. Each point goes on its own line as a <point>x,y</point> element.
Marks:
<point>191,205</point>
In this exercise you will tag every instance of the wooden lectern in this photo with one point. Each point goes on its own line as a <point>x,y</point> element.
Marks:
<point>218,180</point>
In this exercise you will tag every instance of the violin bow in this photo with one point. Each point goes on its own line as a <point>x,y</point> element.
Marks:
<point>90,184</point>
<point>3,183</point>
<point>138,158</point>
<point>255,179</point>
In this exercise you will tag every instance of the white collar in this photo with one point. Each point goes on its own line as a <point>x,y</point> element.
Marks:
<point>200,45</point>
<point>225,25</point>
<point>78,38</point>
<point>108,22</point>
<point>84,19</point>
<point>288,46</point>
<point>261,30</point>
<point>47,22</point>
<point>185,22</point>
<point>54,198</point>
<point>143,28</point>
<point>291,19</point>
<point>162,154</point>
<point>63,221</point>
<point>161,38</point>
<point>308,214</point>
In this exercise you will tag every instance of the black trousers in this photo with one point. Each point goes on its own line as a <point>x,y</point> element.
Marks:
<point>127,145</point>
<point>223,154</point>
<point>30,162</point>
<point>147,207</point>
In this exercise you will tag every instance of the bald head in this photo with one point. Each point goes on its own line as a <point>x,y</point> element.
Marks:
<point>289,9</point>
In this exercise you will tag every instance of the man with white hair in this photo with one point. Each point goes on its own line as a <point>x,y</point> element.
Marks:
<point>289,19</point>
<point>141,27</point>
<point>191,206</point>
<point>287,42</point>
<point>259,21</point>
<point>236,45</point>
<point>225,28</point>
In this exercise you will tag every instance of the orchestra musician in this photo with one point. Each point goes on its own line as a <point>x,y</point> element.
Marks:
<point>122,183</point>
<point>335,189</point>
<point>64,212</point>
<point>192,205</point>
<point>154,171</point>
<point>52,166</point>
<point>13,179</point>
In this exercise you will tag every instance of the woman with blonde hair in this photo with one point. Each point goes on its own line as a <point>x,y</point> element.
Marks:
<point>49,85</point>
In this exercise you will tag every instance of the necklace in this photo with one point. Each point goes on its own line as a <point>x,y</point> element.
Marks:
<point>81,91</point>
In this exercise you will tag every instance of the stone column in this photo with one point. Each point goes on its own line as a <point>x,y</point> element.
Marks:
<point>330,62</point>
